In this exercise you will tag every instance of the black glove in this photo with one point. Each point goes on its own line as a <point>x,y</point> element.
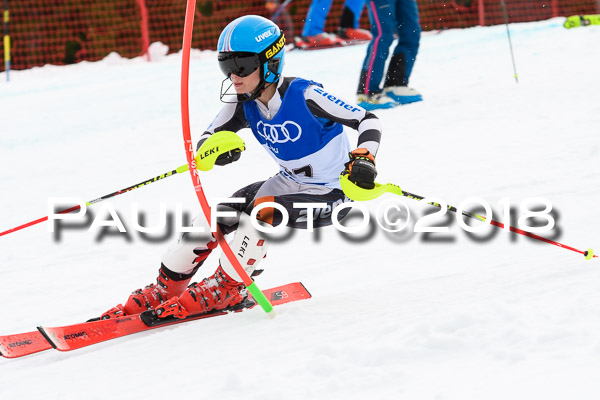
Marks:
<point>225,158</point>
<point>361,168</point>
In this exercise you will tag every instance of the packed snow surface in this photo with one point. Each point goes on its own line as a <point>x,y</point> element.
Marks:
<point>393,315</point>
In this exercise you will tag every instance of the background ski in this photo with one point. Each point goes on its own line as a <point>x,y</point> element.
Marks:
<point>575,21</point>
<point>67,338</point>
<point>23,344</point>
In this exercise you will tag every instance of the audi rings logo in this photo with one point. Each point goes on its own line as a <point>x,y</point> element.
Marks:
<point>289,131</point>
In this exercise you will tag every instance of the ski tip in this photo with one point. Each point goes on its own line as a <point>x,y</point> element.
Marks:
<point>307,292</point>
<point>45,335</point>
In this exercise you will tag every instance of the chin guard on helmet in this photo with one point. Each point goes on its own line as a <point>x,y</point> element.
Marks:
<point>242,98</point>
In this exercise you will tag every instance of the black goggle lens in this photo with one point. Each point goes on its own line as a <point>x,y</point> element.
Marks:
<point>239,64</point>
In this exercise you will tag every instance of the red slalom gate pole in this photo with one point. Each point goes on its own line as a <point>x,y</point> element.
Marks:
<point>144,28</point>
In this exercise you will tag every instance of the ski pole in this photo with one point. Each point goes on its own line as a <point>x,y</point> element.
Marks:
<point>259,296</point>
<point>357,193</point>
<point>211,149</point>
<point>280,9</point>
<point>509,41</point>
<point>99,199</point>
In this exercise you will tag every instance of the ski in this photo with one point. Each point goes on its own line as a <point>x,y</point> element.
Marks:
<point>23,344</point>
<point>72,337</point>
<point>575,21</point>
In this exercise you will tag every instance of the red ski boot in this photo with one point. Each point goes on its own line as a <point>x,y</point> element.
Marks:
<point>354,36</point>
<point>216,292</point>
<point>149,297</point>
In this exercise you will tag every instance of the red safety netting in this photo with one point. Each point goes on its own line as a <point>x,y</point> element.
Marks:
<point>465,13</point>
<point>68,31</point>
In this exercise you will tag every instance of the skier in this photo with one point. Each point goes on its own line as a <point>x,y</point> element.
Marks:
<point>299,123</point>
<point>387,17</point>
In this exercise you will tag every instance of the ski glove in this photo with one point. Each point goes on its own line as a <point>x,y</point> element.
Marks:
<point>225,158</point>
<point>361,168</point>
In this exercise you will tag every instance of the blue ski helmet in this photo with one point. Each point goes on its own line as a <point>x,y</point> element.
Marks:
<point>249,43</point>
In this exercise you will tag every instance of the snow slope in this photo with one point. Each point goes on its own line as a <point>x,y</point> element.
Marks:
<point>392,315</point>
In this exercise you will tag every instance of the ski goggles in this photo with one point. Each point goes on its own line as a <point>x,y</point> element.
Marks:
<point>243,64</point>
<point>238,63</point>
